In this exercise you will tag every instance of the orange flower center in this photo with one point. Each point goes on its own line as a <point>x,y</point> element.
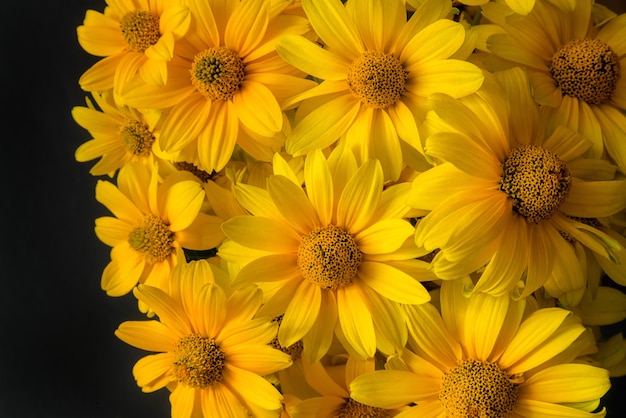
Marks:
<point>329,257</point>
<point>140,30</point>
<point>354,409</point>
<point>377,79</point>
<point>137,137</point>
<point>199,361</point>
<point>587,69</point>
<point>217,73</point>
<point>153,238</point>
<point>537,181</point>
<point>478,389</point>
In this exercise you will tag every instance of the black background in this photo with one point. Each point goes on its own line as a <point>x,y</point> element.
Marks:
<point>58,354</point>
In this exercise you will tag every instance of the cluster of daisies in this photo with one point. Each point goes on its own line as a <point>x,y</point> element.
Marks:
<point>363,208</point>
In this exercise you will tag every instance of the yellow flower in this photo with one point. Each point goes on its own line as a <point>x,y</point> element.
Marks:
<point>121,134</point>
<point>339,256</point>
<point>575,69</point>
<point>332,383</point>
<point>377,71</point>
<point>151,225</point>
<point>210,350</point>
<point>484,356</point>
<point>506,192</point>
<point>132,36</point>
<point>225,80</point>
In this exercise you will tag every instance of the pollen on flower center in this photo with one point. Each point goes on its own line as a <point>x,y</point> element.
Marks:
<point>199,361</point>
<point>137,137</point>
<point>377,79</point>
<point>140,30</point>
<point>477,389</point>
<point>329,257</point>
<point>153,238</point>
<point>537,181</point>
<point>354,409</point>
<point>217,73</point>
<point>587,69</point>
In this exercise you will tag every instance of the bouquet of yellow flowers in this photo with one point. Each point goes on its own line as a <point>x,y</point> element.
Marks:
<point>363,208</point>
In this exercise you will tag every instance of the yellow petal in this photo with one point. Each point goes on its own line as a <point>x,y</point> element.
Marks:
<point>360,197</point>
<point>301,314</point>
<point>312,59</point>
<point>355,321</point>
<point>258,109</point>
<point>246,26</point>
<point>169,312</point>
<point>392,283</point>
<point>333,24</point>
<point>153,372</point>
<point>293,203</point>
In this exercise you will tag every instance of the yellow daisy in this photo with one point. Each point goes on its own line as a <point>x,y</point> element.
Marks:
<point>133,37</point>
<point>211,352</point>
<point>226,80</point>
<point>575,69</point>
<point>505,191</point>
<point>484,356</point>
<point>332,383</point>
<point>377,70</point>
<point>151,225</point>
<point>339,254</point>
<point>121,134</point>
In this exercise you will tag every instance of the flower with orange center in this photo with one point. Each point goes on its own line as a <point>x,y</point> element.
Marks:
<point>226,83</point>
<point>575,67</point>
<point>336,257</point>
<point>133,37</point>
<point>152,223</point>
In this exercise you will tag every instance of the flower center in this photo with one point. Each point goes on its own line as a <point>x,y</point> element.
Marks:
<point>537,181</point>
<point>377,79</point>
<point>199,361</point>
<point>354,409</point>
<point>140,30</point>
<point>294,350</point>
<point>587,69</point>
<point>153,238</point>
<point>137,137</point>
<point>477,389</point>
<point>217,73</point>
<point>329,257</point>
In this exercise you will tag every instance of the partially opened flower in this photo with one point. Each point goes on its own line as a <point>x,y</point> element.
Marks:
<point>132,37</point>
<point>332,383</point>
<point>121,134</point>
<point>483,356</point>
<point>338,254</point>
<point>152,223</point>
<point>377,70</point>
<point>224,80</point>
<point>507,193</point>
<point>211,352</point>
<point>575,69</point>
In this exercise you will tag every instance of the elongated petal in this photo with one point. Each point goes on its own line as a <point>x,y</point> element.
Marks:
<point>301,314</point>
<point>360,197</point>
<point>333,24</point>
<point>293,203</point>
<point>433,77</point>
<point>258,109</point>
<point>392,388</point>
<point>323,126</point>
<point>384,237</point>
<point>246,26</point>
<point>567,383</point>
<point>252,388</point>
<point>311,58</point>
<point>356,321</point>
<point>262,233</point>
<point>182,204</point>
<point>169,312</point>
<point>153,372</point>
<point>147,335</point>
<point>392,283</point>
<point>260,359</point>
<point>270,268</point>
